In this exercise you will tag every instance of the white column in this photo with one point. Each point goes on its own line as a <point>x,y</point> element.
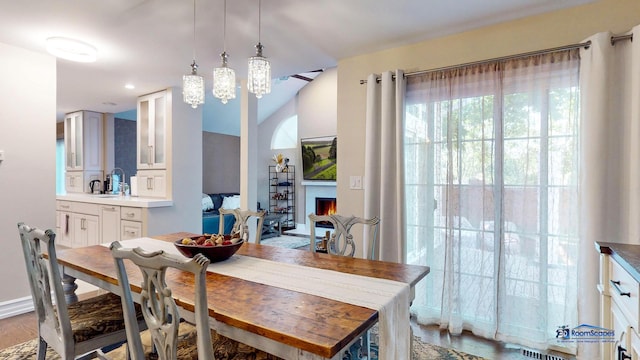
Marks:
<point>248,153</point>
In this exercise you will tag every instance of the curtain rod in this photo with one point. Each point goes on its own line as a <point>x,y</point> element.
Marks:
<point>510,57</point>
<point>615,39</point>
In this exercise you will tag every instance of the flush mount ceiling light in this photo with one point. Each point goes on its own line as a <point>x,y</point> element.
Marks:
<point>259,79</point>
<point>193,84</point>
<point>71,49</point>
<point>224,78</point>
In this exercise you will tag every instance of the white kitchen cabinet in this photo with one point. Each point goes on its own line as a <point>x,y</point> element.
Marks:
<point>78,223</point>
<point>621,328</point>
<point>635,345</point>
<point>130,229</point>
<point>63,223</point>
<point>619,289</point>
<point>109,223</point>
<point>83,136</point>
<point>131,224</point>
<point>152,131</point>
<point>86,230</point>
<point>152,183</point>
<point>83,140</point>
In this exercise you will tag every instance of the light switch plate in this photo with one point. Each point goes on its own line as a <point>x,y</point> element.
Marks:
<point>355,182</point>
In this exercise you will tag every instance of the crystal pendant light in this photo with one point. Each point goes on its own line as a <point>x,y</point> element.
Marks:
<point>259,79</point>
<point>224,78</point>
<point>193,84</point>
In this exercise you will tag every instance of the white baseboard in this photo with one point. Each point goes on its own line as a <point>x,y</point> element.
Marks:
<point>16,307</point>
<point>24,305</point>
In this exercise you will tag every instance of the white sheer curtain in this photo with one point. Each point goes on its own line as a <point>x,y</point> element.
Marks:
<point>610,185</point>
<point>491,180</point>
<point>384,163</point>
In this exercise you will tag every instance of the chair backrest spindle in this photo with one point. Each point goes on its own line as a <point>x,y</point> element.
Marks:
<point>158,306</point>
<point>242,217</point>
<point>341,240</point>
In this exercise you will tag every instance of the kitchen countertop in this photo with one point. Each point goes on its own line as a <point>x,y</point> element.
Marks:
<point>627,255</point>
<point>133,201</point>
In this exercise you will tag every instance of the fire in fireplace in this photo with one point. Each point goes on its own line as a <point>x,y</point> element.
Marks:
<point>325,206</point>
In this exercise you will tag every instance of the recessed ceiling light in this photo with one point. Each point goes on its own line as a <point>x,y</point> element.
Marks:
<point>71,49</point>
<point>130,86</point>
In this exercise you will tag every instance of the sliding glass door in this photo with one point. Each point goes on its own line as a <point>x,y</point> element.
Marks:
<point>491,189</point>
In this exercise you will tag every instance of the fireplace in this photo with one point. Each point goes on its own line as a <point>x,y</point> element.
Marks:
<point>325,206</point>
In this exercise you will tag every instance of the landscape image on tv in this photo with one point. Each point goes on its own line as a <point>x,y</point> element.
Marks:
<point>319,158</point>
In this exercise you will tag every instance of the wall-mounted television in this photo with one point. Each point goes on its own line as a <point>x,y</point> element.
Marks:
<point>319,158</point>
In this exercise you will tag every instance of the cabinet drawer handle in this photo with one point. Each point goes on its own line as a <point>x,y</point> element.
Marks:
<point>622,353</point>
<point>616,285</point>
<point>130,215</point>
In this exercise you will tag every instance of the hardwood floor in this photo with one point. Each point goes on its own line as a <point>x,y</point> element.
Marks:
<point>471,344</point>
<point>21,328</point>
<point>18,329</point>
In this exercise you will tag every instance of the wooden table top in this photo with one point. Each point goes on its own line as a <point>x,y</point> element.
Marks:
<point>311,323</point>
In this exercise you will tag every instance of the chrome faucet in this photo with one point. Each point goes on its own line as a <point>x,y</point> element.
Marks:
<point>122,180</point>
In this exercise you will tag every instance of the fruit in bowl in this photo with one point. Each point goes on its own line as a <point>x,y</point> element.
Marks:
<point>215,247</point>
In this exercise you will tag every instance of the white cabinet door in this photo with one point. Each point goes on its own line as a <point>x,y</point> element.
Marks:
<point>152,183</point>
<point>83,140</point>
<point>85,230</point>
<point>621,329</point>
<point>92,140</point>
<point>152,131</point>
<point>109,223</point>
<point>83,149</point>
<point>63,228</point>
<point>73,141</point>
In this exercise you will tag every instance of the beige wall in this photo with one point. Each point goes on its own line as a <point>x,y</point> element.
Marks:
<point>533,33</point>
<point>27,175</point>
<point>316,107</point>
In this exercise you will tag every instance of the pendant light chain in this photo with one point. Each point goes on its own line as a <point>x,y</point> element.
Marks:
<point>193,84</point>
<point>259,79</point>
<point>224,78</point>
<point>224,28</point>
<point>194,31</point>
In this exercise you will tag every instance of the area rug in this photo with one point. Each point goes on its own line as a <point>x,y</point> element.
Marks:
<point>287,241</point>
<point>421,351</point>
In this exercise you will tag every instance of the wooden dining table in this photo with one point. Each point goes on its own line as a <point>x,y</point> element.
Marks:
<point>286,323</point>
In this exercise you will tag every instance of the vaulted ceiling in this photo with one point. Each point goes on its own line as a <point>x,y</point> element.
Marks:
<point>150,42</point>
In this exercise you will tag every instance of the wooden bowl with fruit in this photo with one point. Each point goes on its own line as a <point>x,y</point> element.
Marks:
<point>215,247</point>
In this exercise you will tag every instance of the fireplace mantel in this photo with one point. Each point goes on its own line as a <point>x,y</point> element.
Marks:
<point>318,183</point>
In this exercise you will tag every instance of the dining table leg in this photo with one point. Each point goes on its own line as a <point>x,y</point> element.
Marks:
<point>69,287</point>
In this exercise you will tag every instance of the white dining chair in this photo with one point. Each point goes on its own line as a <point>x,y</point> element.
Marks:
<point>340,241</point>
<point>242,217</point>
<point>76,330</point>
<point>168,335</point>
